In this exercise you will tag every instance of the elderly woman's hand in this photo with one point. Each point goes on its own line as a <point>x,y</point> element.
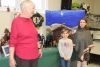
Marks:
<point>12,63</point>
<point>40,52</point>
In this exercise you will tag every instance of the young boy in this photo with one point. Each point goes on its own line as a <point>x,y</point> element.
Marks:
<point>65,47</point>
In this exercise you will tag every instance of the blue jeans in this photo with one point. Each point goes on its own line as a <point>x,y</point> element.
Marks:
<point>65,63</point>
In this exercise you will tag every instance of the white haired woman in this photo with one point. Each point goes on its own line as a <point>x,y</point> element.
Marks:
<point>24,38</point>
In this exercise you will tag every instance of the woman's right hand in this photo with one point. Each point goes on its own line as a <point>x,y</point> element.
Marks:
<point>82,58</point>
<point>12,63</point>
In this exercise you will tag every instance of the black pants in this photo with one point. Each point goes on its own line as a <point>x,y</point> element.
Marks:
<point>26,63</point>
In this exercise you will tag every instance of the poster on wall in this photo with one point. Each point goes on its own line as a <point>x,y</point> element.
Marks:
<point>70,18</point>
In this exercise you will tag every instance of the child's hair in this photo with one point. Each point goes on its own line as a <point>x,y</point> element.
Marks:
<point>65,29</point>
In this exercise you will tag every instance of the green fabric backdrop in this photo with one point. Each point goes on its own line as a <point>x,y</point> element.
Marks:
<point>50,58</point>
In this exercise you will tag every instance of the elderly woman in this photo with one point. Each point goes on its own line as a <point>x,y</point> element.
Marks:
<point>23,46</point>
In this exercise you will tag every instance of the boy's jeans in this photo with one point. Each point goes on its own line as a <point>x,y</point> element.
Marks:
<point>65,63</point>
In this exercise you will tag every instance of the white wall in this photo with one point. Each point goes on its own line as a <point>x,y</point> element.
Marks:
<point>54,4</point>
<point>5,21</point>
<point>96,8</point>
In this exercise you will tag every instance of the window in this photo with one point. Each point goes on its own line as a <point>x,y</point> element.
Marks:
<point>6,3</point>
<point>40,4</point>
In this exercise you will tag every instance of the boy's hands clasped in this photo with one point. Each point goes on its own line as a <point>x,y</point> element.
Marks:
<point>66,58</point>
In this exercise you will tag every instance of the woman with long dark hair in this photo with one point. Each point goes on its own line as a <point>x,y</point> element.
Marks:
<point>83,43</point>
